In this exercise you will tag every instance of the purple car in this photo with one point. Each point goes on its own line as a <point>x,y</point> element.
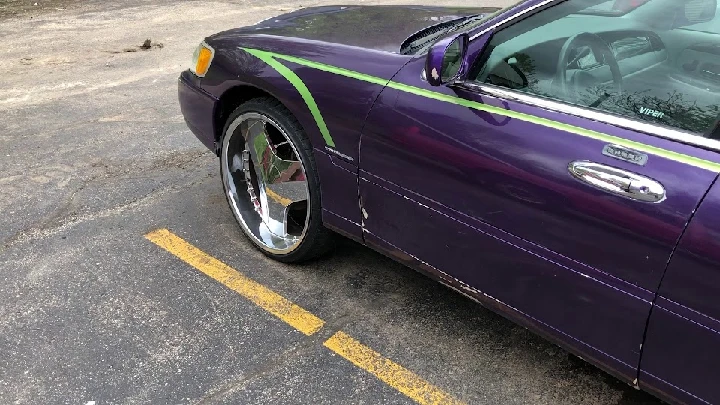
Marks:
<point>555,160</point>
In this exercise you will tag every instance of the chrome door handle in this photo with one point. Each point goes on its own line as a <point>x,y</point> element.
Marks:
<point>618,181</point>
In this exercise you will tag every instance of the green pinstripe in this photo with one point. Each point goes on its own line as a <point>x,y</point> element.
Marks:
<point>300,86</point>
<point>272,59</point>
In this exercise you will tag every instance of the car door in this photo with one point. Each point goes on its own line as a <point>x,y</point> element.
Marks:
<point>680,359</point>
<point>556,211</point>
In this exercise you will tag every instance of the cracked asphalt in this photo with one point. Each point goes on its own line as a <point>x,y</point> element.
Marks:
<point>94,154</point>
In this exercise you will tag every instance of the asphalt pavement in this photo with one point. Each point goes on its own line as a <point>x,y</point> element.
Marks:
<point>94,156</point>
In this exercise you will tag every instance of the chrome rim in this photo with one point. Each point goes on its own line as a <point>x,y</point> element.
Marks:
<point>265,183</point>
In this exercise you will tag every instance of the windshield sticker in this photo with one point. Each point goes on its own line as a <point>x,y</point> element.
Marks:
<point>651,112</point>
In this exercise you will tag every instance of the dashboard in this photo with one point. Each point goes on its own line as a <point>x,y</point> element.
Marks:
<point>635,51</point>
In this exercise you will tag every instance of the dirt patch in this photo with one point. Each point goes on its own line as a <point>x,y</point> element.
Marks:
<point>146,46</point>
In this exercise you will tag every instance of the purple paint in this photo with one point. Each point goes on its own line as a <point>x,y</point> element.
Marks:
<point>485,203</point>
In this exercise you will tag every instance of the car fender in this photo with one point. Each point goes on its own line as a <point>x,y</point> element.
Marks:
<point>311,79</point>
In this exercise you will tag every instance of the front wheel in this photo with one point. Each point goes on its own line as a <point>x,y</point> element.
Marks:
<point>271,182</point>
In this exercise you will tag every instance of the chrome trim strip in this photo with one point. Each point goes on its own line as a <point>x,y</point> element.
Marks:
<point>618,181</point>
<point>581,112</point>
<point>512,17</point>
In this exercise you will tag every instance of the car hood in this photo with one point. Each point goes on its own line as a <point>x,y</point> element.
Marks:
<point>373,27</point>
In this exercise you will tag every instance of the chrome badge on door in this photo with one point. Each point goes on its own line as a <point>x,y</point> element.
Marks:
<point>623,153</point>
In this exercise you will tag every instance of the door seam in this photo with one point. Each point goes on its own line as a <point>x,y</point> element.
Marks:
<point>359,149</point>
<point>662,278</point>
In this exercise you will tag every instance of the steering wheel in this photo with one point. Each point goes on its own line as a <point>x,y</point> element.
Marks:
<point>602,53</point>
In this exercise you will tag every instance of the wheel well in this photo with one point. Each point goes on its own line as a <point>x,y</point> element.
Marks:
<point>229,101</point>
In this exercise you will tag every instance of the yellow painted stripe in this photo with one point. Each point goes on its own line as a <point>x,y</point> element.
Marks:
<point>390,373</point>
<point>403,380</point>
<point>260,295</point>
<point>278,198</point>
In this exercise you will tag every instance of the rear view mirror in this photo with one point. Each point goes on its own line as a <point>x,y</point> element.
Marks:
<point>678,13</point>
<point>697,11</point>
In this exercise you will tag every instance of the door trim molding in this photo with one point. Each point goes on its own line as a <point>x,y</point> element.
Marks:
<point>684,137</point>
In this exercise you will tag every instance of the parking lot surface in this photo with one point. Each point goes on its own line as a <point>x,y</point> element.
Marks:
<point>125,279</point>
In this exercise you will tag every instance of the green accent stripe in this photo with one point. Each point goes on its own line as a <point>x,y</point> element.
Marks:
<point>668,154</point>
<point>300,86</point>
<point>334,69</point>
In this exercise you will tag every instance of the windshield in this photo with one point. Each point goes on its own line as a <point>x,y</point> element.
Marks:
<point>614,7</point>
<point>421,41</point>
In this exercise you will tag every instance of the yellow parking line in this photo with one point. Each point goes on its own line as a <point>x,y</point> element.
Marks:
<point>389,372</point>
<point>341,343</point>
<point>278,198</point>
<point>262,296</point>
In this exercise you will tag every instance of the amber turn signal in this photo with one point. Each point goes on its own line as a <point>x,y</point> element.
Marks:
<point>201,59</point>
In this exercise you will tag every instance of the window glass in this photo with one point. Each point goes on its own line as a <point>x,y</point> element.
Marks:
<point>452,60</point>
<point>652,60</point>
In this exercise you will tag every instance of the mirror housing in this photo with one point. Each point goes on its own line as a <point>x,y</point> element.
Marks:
<point>446,60</point>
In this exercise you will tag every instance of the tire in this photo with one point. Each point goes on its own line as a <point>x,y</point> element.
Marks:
<point>276,165</point>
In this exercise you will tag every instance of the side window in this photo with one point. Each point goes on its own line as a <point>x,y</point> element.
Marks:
<point>640,59</point>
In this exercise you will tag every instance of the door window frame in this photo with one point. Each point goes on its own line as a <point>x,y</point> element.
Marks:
<point>502,22</point>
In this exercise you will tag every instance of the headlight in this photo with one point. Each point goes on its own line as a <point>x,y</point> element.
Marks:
<point>202,58</point>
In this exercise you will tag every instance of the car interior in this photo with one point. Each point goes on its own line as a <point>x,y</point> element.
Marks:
<point>653,60</point>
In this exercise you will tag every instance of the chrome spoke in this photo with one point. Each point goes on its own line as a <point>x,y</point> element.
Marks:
<point>272,201</point>
<point>280,200</point>
<point>256,142</point>
<point>237,163</point>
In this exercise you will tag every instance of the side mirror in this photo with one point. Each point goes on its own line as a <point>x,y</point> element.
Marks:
<point>446,60</point>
